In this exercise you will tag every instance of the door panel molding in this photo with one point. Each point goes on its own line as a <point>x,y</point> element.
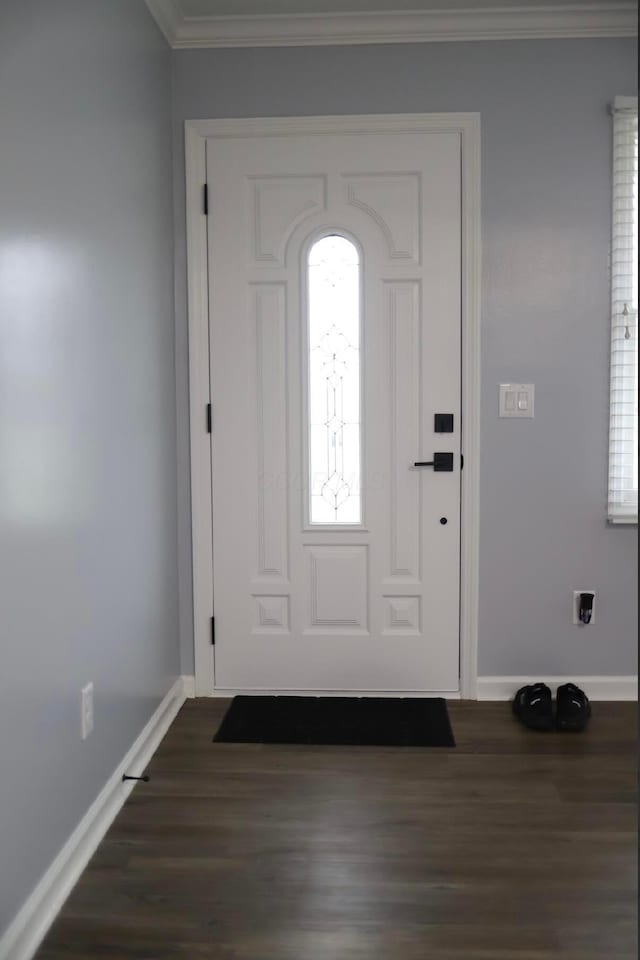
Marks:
<point>467,125</point>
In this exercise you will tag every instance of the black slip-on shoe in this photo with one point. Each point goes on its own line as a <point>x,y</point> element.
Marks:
<point>572,708</point>
<point>533,706</point>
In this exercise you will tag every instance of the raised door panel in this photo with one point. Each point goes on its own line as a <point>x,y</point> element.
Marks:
<point>268,316</point>
<point>338,589</point>
<point>277,205</point>
<point>393,203</point>
<point>402,317</point>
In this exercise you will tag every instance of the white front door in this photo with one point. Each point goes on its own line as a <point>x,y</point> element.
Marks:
<point>335,338</point>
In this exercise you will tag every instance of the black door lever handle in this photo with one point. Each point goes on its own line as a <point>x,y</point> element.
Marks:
<point>442,462</point>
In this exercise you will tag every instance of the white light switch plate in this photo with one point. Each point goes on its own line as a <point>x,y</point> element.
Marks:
<point>516,400</point>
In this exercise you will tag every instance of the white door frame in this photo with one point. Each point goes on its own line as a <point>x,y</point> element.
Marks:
<point>196,134</point>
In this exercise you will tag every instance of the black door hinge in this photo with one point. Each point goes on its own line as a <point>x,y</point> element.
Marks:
<point>213,631</point>
<point>462,461</point>
<point>205,199</point>
<point>208,418</point>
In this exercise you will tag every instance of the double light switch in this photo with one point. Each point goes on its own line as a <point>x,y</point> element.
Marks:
<point>516,399</point>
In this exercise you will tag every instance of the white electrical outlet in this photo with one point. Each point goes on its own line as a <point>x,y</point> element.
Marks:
<point>576,608</point>
<point>86,710</point>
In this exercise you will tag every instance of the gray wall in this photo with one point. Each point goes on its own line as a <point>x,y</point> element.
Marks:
<point>546,179</point>
<point>88,579</point>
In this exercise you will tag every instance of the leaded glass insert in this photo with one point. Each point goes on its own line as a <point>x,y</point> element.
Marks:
<point>334,381</point>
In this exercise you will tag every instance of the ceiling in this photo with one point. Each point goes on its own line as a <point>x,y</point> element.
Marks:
<point>245,23</point>
<point>217,8</point>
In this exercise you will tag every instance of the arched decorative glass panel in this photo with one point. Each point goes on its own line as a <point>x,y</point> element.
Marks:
<point>333,290</point>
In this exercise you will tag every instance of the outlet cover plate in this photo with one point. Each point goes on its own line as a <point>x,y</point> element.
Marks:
<point>86,710</point>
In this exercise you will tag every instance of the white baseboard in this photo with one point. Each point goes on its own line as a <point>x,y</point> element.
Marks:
<point>25,933</point>
<point>189,686</point>
<point>220,692</point>
<point>596,688</point>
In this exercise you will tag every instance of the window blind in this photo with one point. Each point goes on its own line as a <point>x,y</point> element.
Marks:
<point>623,426</point>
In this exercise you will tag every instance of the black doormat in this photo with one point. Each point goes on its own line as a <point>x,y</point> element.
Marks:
<point>379,721</point>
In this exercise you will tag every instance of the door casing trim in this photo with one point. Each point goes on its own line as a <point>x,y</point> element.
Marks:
<point>196,134</point>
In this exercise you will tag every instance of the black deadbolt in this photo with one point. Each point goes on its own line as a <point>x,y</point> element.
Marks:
<point>443,423</point>
<point>443,520</point>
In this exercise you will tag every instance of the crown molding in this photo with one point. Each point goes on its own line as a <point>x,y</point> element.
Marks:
<point>169,17</point>
<point>570,20</point>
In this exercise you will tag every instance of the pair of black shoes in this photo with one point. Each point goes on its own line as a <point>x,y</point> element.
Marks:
<point>533,705</point>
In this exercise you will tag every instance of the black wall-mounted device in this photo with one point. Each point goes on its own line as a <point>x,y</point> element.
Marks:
<point>585,607</point>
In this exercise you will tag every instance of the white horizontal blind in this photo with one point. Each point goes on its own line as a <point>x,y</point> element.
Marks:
<point>623,428</point>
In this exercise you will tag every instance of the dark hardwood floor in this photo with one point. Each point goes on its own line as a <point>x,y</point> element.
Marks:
<point>510,846</point>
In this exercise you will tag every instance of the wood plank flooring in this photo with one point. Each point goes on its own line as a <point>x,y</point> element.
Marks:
<point>510,846</point>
